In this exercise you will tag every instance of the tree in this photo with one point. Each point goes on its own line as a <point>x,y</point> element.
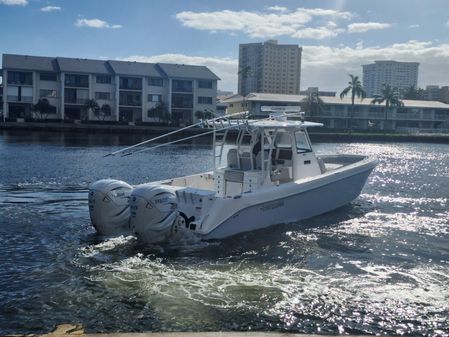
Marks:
<point>413,93</point>
<point>92,106</point>
<point>206,114</point>
<point>389,95</point>
<point>355,88</point>
<point>244,72</point>
<point>160,112</point>
<point>104,111</point>
<point>312,104</point>
<point>42,108</point>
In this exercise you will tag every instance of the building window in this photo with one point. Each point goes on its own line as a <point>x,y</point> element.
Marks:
<point>184,101</point>
<point>154,98</point>
<point>130,98</point>
<point>48,77</point>
<point>182,86</point>
<point>204,100</point>
<point>103,95</point>
<point>73,80</point>
<point>104,79</point>
<point>75,96</point>
<point>130,83</point>
<point>20,77</point>
<point>155,82</point>
<point>205,84</point>
<point>47,93</point>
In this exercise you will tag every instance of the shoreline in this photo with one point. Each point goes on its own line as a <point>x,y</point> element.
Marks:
<point>316,136</point>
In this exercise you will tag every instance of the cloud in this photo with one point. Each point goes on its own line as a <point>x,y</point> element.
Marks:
<point>414,26</point>
<point>95,23</point>
<point>50,8</point>
<point>447,23</point>
<point>328,67</point>
<point>316,33</point>
<point>223,67</point>
<point>361,27</point>
<point>264,24</point>
<point>277,8</point>
<point>14,2</point>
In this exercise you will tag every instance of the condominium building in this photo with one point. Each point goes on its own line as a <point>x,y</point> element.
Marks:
<point>316,90</point>
<point>336,113</point>
<point>401,75</point>
<point>131,89</point>
<point>437,93</point>
<point>269,67</point>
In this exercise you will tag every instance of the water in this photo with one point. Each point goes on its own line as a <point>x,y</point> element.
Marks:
<point>377,266</point>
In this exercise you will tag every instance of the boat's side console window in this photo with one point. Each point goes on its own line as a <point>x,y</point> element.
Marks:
<point>302,142</point>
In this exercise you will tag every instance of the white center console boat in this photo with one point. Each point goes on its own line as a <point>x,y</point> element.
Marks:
<point>269,175</point>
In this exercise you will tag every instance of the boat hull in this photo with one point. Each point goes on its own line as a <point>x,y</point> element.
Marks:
<point>318,199</point>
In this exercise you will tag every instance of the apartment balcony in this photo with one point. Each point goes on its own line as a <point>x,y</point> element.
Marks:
<point>78,101</point>
<point>23,99</point>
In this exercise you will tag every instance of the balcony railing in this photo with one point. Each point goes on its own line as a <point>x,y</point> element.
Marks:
<point>130,103</point>
<point>24,99</point>
<point>75,100</point>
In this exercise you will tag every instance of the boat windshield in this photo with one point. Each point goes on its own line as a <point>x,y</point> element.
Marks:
<point>302,142</point>
<point>283,140</point>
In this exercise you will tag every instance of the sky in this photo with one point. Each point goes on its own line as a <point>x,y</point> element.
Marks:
<point>337,36</point>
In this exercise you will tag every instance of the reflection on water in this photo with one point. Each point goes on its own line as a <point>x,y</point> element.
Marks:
<point>379,265</point>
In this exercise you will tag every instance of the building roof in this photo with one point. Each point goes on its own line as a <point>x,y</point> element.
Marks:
<point>265,97</point>
<point>26,62</point>
<point>187,71</point>
<point>80,65</point>
<point>77,65</point>
<point>135,68</point>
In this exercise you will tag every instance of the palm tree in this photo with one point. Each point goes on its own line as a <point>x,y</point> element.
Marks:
<point>389,95</point>
<point>414,93</point>
<point>356,89</point>
<point>244,72</point>
<point>206,114</point>
<point>312,104</point>
<point>104,111</point>
<point>160,112</point>
<point>42,108</point>
<point>92,105</point>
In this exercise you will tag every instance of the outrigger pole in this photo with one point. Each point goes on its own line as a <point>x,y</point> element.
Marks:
<point>231,126</point>
<point>203,122</point>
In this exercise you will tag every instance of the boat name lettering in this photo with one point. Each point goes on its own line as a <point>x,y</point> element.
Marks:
<point>272,205</point>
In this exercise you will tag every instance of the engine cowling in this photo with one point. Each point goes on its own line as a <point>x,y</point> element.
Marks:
<point>154,212</point>
<point>109,206</point>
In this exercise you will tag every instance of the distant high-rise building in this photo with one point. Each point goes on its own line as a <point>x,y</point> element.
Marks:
<point>269,68</point>
<point>437,93</point>
<point>311,90</point>
<point>432,92</point>
<point>402,75</point>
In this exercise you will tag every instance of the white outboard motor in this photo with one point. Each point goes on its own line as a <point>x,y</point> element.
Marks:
<point>109,206</point>
<point>154,211</point>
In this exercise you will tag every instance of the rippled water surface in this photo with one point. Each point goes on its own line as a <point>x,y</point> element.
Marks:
<point>379,265</point>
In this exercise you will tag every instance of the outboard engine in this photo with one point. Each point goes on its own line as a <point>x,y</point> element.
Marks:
<point>109,206</point>
<point>154,212</point>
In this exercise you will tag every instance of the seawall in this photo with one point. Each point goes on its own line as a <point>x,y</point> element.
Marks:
<point>323,135</point>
